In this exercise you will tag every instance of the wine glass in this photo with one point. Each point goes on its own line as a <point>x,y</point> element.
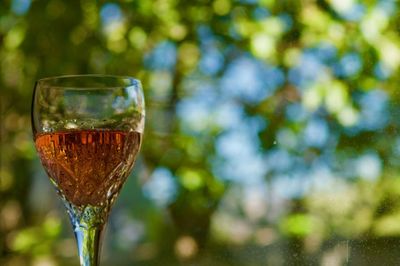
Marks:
<point>88,131</point>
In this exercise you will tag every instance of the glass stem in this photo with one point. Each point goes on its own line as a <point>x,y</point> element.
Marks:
<point>89,243</point>
<point>88,224</point>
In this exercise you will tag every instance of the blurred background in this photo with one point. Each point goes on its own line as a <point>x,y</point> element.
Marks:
<point>271,130</point>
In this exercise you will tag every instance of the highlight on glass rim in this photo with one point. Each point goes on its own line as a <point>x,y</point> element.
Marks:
<point>213,132</point>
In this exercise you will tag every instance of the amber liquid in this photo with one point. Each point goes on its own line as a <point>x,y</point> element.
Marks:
<point>88,167</point>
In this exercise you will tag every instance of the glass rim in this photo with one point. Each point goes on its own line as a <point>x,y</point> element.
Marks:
<point>53,81</point>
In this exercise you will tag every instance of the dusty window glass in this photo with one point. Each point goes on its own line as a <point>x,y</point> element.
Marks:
<point>271,130</point>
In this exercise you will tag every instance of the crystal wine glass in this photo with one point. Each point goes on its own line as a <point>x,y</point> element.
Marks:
<point>87,131</point>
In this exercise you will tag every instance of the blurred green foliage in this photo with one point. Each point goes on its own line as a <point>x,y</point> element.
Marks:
<point>271,130</point>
